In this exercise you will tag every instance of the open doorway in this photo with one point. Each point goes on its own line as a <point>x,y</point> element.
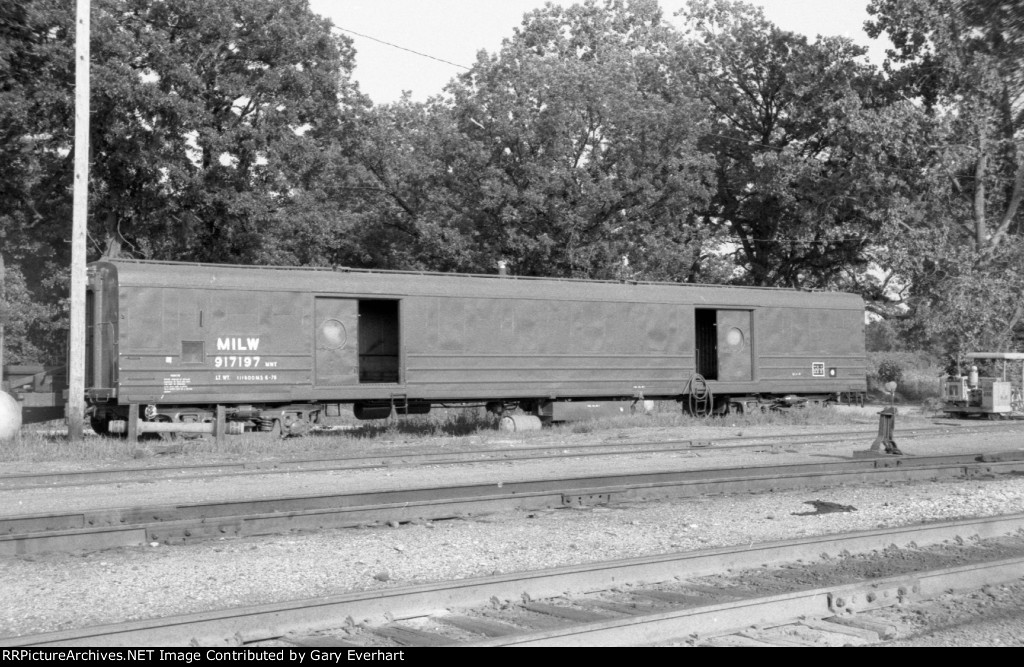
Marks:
<point>378,341</point>
<point>723,344</point>
<point>706,343</point>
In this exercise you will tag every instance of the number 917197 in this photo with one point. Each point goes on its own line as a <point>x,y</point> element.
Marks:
<point>236,361</point>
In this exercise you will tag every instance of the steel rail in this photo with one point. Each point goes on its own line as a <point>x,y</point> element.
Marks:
<point>272,621</point>
<point>13,481</point>
<point>776,610</point>
<point>176,524</point>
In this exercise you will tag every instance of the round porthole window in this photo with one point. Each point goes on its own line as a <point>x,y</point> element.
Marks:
<point>332,335</point>
<point>734,337</point>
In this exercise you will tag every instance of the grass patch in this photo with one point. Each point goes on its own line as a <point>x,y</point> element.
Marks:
<point>806,416</point>
<point>448,430</point>
<point>52,444</point>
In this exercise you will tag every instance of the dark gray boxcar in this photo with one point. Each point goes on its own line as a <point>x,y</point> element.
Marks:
<point>259,339</point>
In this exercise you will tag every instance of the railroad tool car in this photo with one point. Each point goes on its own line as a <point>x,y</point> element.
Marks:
<point>992,397</point>
<point>226,349</point>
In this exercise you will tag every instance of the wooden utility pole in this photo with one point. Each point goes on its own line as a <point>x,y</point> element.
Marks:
<point>79,221</point>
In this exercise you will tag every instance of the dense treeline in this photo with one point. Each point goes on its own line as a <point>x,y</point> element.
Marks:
<point>603,140</point>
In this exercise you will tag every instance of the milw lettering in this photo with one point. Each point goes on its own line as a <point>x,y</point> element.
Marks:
<point>238,344</point>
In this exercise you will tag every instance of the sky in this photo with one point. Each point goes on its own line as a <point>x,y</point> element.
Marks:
<point>455,30</point>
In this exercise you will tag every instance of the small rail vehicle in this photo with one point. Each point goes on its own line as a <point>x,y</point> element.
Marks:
<point>973,395</point>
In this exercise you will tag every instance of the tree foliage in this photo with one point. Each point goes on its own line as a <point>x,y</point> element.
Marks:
<point>787,124</point>
<point>424,180</point>
<point>212,120</point>
<point>36,125</point>
<point>959,239</point>
<point>566,151</point>
<point>964,60</point>
<point>212,128</point>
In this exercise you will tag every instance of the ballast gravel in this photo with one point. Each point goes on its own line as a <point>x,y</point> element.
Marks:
<point>49,592</point>
<point>399,475</point>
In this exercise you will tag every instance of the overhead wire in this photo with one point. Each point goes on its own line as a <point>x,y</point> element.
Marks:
<point>400,48</point>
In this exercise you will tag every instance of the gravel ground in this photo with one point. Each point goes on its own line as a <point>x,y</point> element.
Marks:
<point>310,483</point>
<point>57,591</point>
<point>993,616</point>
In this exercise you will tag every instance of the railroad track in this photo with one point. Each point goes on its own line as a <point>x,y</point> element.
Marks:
<point>650,600</point>
<point>182,523</point>
<point>285,466</point>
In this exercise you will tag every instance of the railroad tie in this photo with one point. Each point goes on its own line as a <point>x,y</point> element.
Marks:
<point>624,608</point>
<point>481,626</point>
<point>779,641</point>
<point>568,613</point>
<point>733,641</point>
<point>881,628</point>
<point>828,625</point>
<point>410,637</point>
<point>676,599</point>
<point>535,621</point>
<point>718,594</point>
<point>319,641</point>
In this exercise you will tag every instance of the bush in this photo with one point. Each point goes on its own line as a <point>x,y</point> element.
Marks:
<point>889,370</point>
<point>916,374</point>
